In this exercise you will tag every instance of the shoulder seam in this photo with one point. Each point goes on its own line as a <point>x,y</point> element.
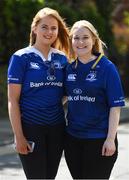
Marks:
<point>56,51</point>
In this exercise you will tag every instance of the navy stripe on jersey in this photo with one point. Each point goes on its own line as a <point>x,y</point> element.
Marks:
<point>41,116</point>
<point>42,84</point>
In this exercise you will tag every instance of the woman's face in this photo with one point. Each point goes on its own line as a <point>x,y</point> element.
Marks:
<point>46,31</point>
<point>82,42</point>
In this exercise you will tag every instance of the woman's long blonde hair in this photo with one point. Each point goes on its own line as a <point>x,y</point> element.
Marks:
<point>62,41</point>
<point>98,45</point>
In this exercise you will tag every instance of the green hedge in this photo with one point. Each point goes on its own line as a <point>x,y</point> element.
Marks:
<point>3,91</point>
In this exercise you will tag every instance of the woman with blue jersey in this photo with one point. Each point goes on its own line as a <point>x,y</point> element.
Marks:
<point>35,91</point>
<point>95,96</point>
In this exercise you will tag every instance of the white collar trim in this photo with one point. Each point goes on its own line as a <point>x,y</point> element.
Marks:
<point>36,51</point>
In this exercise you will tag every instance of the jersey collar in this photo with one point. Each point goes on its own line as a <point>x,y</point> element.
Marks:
<point>36,51</point>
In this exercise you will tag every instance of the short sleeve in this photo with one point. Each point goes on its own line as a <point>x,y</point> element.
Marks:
<point>16,69</point>
<point>64,61</point>
<point>114,90</point>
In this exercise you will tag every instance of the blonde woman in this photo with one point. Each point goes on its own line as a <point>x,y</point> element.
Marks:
<point>35,91</point>
<point>95,96</point>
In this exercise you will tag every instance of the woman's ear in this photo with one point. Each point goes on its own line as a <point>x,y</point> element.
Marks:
<point>34,30</point>
<point>94,40</point>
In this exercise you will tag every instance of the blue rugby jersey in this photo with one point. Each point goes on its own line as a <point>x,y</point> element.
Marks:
<point>91,94</point>
<point>42,84</point>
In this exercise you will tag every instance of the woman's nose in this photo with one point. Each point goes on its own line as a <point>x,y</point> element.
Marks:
<point>50,31</point>
<point>81,41</point>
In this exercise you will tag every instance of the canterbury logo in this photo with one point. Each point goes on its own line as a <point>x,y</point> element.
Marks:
<point>34,65</point>
<point>71,77</point>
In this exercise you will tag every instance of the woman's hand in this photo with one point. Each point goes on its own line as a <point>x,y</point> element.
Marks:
<point>22,146</point>
<point>109,147</point>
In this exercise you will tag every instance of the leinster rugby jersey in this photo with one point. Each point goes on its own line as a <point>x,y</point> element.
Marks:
<point>91,93</point>
<point>42,84</point>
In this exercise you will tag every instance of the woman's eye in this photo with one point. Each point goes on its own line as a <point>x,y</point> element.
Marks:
<point>76,38</point>
<point>85,37</point>
<point>53,29</point>
<point>44,27</point>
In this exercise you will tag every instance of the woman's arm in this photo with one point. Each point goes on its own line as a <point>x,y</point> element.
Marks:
<point>14,91</point>
<point>64,100</point>
<point>109,144</point>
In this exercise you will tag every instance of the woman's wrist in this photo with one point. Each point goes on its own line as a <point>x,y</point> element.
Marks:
<point>110,138</point>
<point>19,136</point>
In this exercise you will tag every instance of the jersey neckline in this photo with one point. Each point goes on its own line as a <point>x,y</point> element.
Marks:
<point>36,51</point>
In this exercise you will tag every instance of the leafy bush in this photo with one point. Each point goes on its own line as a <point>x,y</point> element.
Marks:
<point>3,91</point>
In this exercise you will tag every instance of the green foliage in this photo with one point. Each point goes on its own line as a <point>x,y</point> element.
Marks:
<point>121,46</point>
<point>3,91</point>
<point>16,18</point>
<point>126,18</point>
